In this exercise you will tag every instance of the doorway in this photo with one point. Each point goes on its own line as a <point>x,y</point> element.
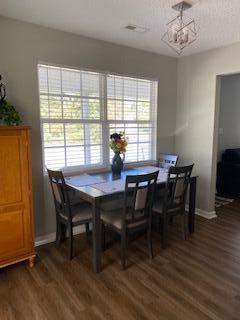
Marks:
<point>227,129</point>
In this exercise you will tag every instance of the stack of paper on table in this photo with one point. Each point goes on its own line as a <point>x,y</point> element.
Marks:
<point>84,180</point>
<point>111,186</point>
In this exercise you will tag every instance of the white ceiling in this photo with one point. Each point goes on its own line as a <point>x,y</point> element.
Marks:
<point>218,20</point>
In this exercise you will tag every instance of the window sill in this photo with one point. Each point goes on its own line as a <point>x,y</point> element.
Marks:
<point>75,171</point>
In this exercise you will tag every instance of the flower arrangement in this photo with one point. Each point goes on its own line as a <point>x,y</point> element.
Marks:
<point>118,142</point>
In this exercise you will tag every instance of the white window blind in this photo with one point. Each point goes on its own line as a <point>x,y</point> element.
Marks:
<point>131,107</point>
<point>80,109</point>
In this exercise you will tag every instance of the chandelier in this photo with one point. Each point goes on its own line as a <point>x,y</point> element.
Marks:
<point>181,31</point>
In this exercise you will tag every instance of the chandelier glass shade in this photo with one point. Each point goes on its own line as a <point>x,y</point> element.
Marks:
<point>181,31</point>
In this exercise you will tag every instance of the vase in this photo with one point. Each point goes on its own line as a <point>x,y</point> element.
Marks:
<point>117,163</point>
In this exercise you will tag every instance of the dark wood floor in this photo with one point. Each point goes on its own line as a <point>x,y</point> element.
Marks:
<point>194,279</point>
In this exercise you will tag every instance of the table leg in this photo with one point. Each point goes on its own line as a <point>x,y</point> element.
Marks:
<point>97,250</point>
<point>192,204</point>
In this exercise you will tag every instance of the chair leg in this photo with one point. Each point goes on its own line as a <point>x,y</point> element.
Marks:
<point>163,232</point>
<point>123,249</point>
<point>58,232</point>
<point>159,224</point>
<point>87,229</point>
<point>63,228</point>
<point>149,239</point>
<point>185,232</point>
<point>70,242</point>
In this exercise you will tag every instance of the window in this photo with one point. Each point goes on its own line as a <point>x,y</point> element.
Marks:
<point>131,107</point>
<point>80,109</point>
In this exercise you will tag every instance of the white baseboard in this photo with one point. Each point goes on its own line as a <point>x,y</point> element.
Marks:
<point>51,237</point>
<point>206,214</point>
<point>48,238</point>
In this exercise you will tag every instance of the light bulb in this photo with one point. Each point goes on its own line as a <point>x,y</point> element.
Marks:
<point>185,35</point>
<point>175,33</point>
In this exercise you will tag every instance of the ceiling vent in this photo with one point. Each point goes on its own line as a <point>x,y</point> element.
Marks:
<point>134,28</point>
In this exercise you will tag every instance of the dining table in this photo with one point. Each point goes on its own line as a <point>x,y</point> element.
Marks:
<point>95,188</point>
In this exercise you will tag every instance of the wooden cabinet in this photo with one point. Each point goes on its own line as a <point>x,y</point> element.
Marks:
<point>16,213</point>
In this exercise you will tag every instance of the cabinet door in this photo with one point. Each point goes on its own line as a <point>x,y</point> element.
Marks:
<point>16,237</point>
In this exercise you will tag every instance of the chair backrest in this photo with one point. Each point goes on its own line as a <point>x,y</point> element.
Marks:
<point>177,185</point>
<point>138,197</point>
<point>167,160</point>
<point>59,190</point>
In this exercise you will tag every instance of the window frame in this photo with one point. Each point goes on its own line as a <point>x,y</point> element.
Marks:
<point>103,120</point>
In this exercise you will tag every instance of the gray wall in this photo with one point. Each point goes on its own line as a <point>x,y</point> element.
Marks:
<point>198,114</point>
<point>229,116</point>
<point>23,45</point>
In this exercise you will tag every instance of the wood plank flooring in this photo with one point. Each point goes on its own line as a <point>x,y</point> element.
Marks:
<point>197,279</point>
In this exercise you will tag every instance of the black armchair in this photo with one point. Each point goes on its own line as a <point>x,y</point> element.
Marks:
<point>228,173</point>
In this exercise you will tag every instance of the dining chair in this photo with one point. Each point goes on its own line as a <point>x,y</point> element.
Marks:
<point>68,215</point>
<point>165,161</point>
<point>174,200</point>
<point>136,211</point>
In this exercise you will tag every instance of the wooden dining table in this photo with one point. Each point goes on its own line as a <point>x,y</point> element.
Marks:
<point>98,187</point>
